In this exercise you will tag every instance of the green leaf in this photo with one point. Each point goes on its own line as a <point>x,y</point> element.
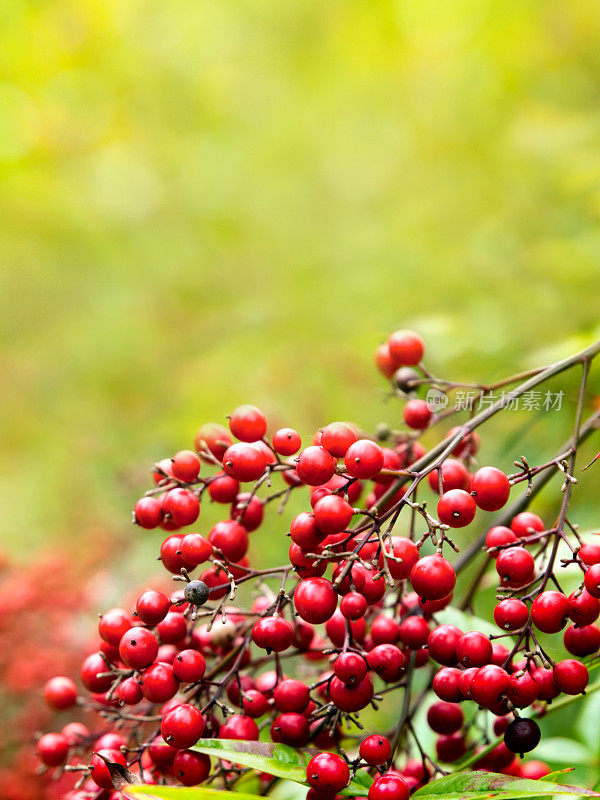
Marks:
<point>475,785</point>
<point>182,793</point>
<point>565,751</point>
<point>279,760</point>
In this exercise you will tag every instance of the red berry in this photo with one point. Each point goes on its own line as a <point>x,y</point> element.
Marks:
<point>315,600</point>
<point>239,726</point>
<point>442,642</point>
<point>414,632</point>
<point>182,506</point>
<point>291,729</point>
<point>417,414</point>
<point>592,580</point>
<point>159,684</point>
<point>337,437</point>
<point>129,692</point>
<point>353,605</point>
<point>60,693</point>
<point>364,459</point>
<point>304,531</point>
<point>454,476</point>
<point>571,676</point>
<point>332,514</point>
<point>352,698</point>
<point>406,348</point>
<point>445,717</point>
<point>171,555</point>
<point>446,684</point>
<point>522,689</point>
<point>182,726</point>
<point>589,553</point>
<point>387,661</point>
<point>191,768</point>
<point>515,566</point>
<point>230,538</point>
<point>550,611</point>
<point>432,577</point>
<point>547,688</point>
<point>213,438</point>
<point>582,641</point>
<point>113,624</point>
<point>526,523</point>
<point>291,696</point>
<point>223,488</point>
<point>152,607</point>
<point>287,441</point>
<point>75,733</point>
<point>375,750</point>
<point>474,649</point>
<point>450,748</point>
<point>405,551</point>
<point>52,748</point>
<point>491,488</point>
<point>138,648</point>
<point>384,361</point>
<point>272,633</point>
<point>189,666</point>
<point>315,465</point>
<point>185,466</point>
<point>148,513</point>
<point>390,786</point>
<point>351,668</point>
<point>327,773</point>
<point>488,684</point>
<point>254,703</point>
<point>499,535</point>
<point>99,772</point>
<point>244,462</point>
<point>248,423</point>
<point>248,510</point>
<point>195,549</point>
<point>583,608</point>
<point>511,614</point>
<point>92,668</point>
<point>456,508</point>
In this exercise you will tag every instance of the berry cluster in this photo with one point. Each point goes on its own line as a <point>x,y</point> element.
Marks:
<point>355,593</point>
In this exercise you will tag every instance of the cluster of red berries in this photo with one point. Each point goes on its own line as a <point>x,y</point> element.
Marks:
<point>354,593</point>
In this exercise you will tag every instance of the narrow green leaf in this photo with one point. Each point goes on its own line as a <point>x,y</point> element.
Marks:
<point>278,760</point>
<point>182,793</point>
<point>477,785</point>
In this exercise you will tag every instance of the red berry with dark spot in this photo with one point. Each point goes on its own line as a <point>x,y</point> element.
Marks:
<point>375,750</point>
<point>491,488</point>
<point>327,773</point>
<point>364,459</point>
<point>550,611</point>
<point>191,768</point>
<point>287,441</point>
<point>182,726</point>
<point>456,508</point>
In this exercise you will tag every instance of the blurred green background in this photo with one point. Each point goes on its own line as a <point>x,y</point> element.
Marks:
<point>207,203</point>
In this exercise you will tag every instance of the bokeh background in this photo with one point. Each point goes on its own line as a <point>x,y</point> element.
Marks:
<point>208,203</point>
